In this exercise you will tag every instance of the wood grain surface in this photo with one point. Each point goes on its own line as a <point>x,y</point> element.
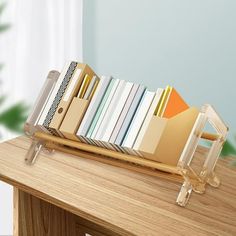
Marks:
<point>120,200</point>
<point>40,218</point>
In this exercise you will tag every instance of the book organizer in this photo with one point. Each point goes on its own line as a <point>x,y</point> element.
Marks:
<point>126,125</point>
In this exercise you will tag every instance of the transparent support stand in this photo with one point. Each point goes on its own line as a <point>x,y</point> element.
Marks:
<point>194,179</point>
<point>33,152</point>
<point>195,176</point>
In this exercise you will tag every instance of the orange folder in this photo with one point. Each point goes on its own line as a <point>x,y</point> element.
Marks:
<point>175,105</point>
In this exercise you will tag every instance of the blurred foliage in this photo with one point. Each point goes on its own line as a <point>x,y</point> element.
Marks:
<point>3,26</point>
<point>14,116</point>
<point>228,150</point>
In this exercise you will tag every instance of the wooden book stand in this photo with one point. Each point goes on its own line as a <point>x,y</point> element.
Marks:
<point>168,149</point>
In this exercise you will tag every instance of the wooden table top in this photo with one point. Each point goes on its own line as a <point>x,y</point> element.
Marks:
<point>124,201</point>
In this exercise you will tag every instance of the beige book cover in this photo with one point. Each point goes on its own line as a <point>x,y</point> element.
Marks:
<point>71,91</point>
<point>163,133</point>
<point>76,111</point>
<point>73,118</point>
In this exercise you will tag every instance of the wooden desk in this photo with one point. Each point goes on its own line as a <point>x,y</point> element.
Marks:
<point>65,195</point>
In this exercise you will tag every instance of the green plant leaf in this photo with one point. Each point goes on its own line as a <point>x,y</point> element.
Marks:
<point>2,99</point>
<point>14,117</point>
<point>228,149</point>
<point>4,27</point>
<point>2,7</point>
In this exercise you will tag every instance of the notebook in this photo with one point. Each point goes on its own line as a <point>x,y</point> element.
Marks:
<point>100,108</point>
<point>56,96</point>
<point>163,101</point>
<point>93,106</point>
<point>114,116</point>
<point>102,129</point>
<point>147,120</point>
<point>91,88</point>
<point>81,72</point>
<point>124,113</point>
<point>76,110</point>
<point>137,121</point>
<point>103,113</point>
<point>84,86</point>
<point>130,114</point>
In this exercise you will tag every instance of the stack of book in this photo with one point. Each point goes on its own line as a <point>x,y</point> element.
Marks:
<point>107,112</point>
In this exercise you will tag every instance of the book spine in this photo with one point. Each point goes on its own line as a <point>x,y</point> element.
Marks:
<point>86,122</point>
<point>53,94</point>
<point>110,110</point>
<point>99,110</point>
<point>138,121</point>
<point>130,115</point>
<point>59,93</point>
<point>147,120</point>
<point>118,108</point>
<point>100,120</point>
<point>124,113</point>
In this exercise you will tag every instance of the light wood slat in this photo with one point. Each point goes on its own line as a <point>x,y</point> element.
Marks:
<point>209,136</point>
<point>121,200</point>
<point>108,153</point>
<point>119,163</point>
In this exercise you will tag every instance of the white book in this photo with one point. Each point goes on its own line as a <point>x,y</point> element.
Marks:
<point>106,105</point>
<point>53,95</point>
<point>92,108</point>
<point>100,108</point>
<point>137,121</point>
<point>114,116</point>
<point>147,120</point>
<point>110,110</point>
<point>130,114</point>
<point>90,88</point>
<point>123,114</point>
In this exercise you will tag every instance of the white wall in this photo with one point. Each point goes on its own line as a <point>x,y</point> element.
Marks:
<point>188,44</point>
<point>44,35</point>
